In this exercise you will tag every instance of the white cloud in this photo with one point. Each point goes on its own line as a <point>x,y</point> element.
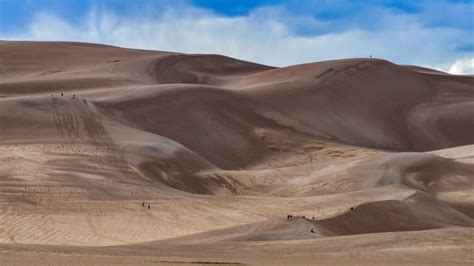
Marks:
<point>265,35</point>
<point>462,66</point>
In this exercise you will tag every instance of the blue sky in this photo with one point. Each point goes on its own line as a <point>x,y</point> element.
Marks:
<point>436,33</point>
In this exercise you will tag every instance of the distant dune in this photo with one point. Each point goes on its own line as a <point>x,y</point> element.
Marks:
<point>113,155</point>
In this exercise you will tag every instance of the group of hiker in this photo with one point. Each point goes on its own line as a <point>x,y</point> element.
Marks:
<point>143,205</point>
<point>289,217</point>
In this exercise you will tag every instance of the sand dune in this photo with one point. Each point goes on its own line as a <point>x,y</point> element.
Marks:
<point>222,150</point>
<point>416,212</point>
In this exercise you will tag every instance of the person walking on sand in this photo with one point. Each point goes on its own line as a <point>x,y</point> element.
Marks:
<point>148,206</point>
<point>143,204</point>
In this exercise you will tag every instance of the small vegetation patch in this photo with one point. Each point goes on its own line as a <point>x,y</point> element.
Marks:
<point>314,146</point>
<point>274,140</point>
<point>334,153</point>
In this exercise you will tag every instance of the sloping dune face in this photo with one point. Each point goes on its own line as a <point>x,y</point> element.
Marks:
<point>102,146</point>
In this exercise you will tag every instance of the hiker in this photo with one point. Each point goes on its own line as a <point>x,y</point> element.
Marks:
<point>74,96</point>
<point>62,94</point>
<point>313,218</point>
<point>304,217</point>
<point>370,56</point>
<point>352,208</point>
<point>287,217</point>
<point>312,230</point>
<point>148,206</point>
<point>143,204</point>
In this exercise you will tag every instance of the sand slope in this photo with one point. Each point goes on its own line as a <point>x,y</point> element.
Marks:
<point>223,150</point>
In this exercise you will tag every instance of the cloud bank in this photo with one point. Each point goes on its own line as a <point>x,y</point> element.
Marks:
<point>268,35</point>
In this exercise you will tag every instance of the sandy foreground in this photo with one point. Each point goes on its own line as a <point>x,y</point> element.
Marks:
<point>118,156</point>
